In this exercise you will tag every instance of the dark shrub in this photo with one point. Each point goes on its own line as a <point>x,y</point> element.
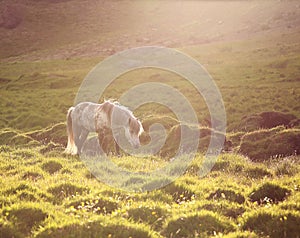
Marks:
<point>229,195</point>
<point>269,192</point>
<point>281,224</point>
<point>25,217</point>
<point>51,166</point>
<point>179,192</point>
<point>264,144</point>
<point>273,119</point>
<point>226,209</point>
<point>9,230</point>
<point>173,140</point>
<point>265,120</point>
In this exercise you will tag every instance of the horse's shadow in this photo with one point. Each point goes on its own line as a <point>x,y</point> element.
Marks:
<point>93,148</point>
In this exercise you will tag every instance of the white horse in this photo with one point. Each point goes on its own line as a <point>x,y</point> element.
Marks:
<point>107,119</point>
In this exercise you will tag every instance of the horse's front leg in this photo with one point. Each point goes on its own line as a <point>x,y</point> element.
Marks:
<point>101,140</point>
<point>116,141</point>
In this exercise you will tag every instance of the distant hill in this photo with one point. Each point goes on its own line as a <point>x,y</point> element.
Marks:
<point>43,29</point>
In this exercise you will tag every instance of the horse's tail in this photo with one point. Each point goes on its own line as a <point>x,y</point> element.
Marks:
<point>71,145</point>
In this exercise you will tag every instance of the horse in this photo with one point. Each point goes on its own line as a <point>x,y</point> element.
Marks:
<point>106,119</point>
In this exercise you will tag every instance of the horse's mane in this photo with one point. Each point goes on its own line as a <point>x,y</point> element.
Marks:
<point>120,106</point>
<point>126,109</point>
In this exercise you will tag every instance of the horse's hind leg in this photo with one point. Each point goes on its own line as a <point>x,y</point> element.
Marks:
<point>83,135</point>
<point>76,133</point>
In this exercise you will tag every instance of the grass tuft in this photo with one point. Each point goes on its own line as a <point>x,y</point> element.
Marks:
<point>270,143</point>
<point>258,172</point>
<point>96,229</point>
<point>7,229</point>
<point>65,190</point>
<point>273,224</point>
<point>200,224</point>
<point>269,193</point>
<point>287,166</point>
<point>179,192</point>
<point>25,216</point>
<point>51,166</point>
<point>152,215</point>
<point>231,210</point>
<point>32,175</point>
<point>227,194</point>
<point>94,205</point>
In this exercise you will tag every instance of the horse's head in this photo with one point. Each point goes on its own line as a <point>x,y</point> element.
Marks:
<point>133,132</point>
<point>122,117</point>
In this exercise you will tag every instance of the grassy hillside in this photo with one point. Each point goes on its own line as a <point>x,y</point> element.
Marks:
<point>75,28</point>
<point>250,48</point>
<point>250,78</point>
<point>51,195</point>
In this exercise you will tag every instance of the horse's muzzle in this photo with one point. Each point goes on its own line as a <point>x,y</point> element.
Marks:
<point>136,146</point>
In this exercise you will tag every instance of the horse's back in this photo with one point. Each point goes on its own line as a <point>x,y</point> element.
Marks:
<point>83,105</point>
<point>84,115</point>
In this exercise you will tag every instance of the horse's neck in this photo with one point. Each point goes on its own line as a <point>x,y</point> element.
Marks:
<point>120,117</point>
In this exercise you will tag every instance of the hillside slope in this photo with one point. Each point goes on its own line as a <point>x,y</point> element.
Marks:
<point>46,29</point>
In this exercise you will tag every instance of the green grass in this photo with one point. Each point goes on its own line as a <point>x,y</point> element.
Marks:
<point>203,224</point>
<point>74,204</point>
<point>273,223</point>
<point>44,193</point>
<point>38,94</point>
<point>25,216</point>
